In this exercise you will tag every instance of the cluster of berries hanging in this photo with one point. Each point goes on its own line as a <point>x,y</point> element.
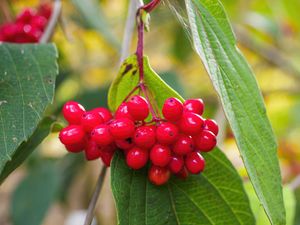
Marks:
<point>28,26</point>
<point>172,145</point>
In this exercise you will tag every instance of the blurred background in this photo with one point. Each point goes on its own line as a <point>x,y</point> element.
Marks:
<point>52,187</point>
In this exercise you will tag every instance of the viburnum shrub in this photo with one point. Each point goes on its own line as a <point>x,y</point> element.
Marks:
<point>28,26</point>
<point>171,144</point>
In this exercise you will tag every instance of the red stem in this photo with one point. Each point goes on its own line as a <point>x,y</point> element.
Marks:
<point>151,5</point>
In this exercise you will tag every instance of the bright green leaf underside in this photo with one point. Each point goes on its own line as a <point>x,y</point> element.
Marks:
<point>215,197</point>
<point>27,80</point>
<point>241,100</point>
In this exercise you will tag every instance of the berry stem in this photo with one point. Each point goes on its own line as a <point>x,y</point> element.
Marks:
<point>92,205</point>
<point>151,5</point>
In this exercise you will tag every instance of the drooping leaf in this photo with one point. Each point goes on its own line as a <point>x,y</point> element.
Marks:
<point>215,197</point>
<point>27,80</point>
<point>241,100</point>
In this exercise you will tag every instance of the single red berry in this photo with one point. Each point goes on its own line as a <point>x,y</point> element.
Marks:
<point>122,112</point>
<point>159,175</point>
<point>212,126</point>
<point>72,135</point>
<point>160,155</point>
<point>172,109</point>
<point>166,133</point>
<point>191,123</point>
<point>104,113</point>
<point>194,162</point>
<point>125,144</point>
<point>92,151</point>
<point>183,174</point>
<point>176,164</point>
<point>73,112</point>
<point>39,22</point>
<point>90,120</point>
<point>75,148</point>
<point>205,141</point>
<point>144,136</point>
<point>137,158</point>
<point>183,145</point>
<point>32,33</point>
<point>122,128</point>
<point>25,16</point>
<point>107,154</point>
<point>138,107</point>
<point>45,10</point>
<point>101,135</point>
<point>194,105</point>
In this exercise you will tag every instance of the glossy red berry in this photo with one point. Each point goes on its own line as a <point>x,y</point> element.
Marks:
<point>104,113</point>
<point>136,158</point>
<point>159,175</point>
<point>160,155</point>
<point>90,120</point>
<point>138,107</point>
<point>107,154</point>
<point>125,144</point>
<point>144,136</point>
<point>73,112</point>
<point>75,148</point>
<point>176,164</point>
<point>212,126</point>
<point>122,112</point>
<point>194,162</point>
<point>205,141</point>
<point>194,105</point>
<point>191,123</point>
<point>122,128</point>
<point>92,151</point>
<point>183,145</point>
<point>166,133</point>
<point>72,135</point>
<point>101,135</point>
<point>172,109</point>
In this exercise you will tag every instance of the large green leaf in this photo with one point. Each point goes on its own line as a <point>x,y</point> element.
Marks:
<point>241,100</point>
<point>27,80</point>
<point>215,197</point>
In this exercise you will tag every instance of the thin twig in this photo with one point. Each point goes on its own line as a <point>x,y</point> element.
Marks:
<point>92,205</point>
<point>7,14</point>
<point>52,22</point>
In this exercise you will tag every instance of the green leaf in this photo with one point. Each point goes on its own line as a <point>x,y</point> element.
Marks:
<point>94,18</point>
<point>33,197</point>
<point>241,99</point>
<point>128,78</point>
<point>214,197</point>
<point>27,80</point>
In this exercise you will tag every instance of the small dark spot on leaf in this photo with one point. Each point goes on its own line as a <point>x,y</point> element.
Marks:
<point>127,69</point>
<point>134,72</point>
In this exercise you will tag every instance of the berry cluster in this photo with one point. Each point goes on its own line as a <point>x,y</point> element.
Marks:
<point>172,144</point>
<point>28,26</point>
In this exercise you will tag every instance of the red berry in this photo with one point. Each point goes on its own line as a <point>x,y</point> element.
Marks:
<point>194,162</point>
<point>212,126</point>
<point>125,144</point>
<point>90,120</point>
<point>122,128</point>
<point>122,112</point>
<point>45,10</point>
<point>25,16</point>
<point>183,145</point>
<point>39,22</point>
<point>205,141</point>
<point>136,158</point>
<point>92,151</point>
<point>144,136</point>
<point>166,133</point>
<point>158,175</point>
<point>172,109</point>
<point>104,113</point>
<point>194,105</point>
<point>183,174</point>
<point>101,135</point>
<point>160,155</point>
<point>191,123</point>
<point>107,154</point>
<point>76,147</point>
<point>73,112</point>
<point>138,107</point>
<point>72,135</point>
<point>176,164</point>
